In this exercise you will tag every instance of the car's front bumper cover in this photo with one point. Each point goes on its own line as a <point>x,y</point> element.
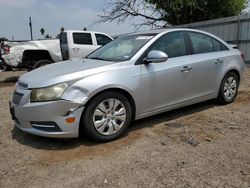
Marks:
<point>46,118</point>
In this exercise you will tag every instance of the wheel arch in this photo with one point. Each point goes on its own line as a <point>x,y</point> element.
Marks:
<point>121,91</point>
<point>36,55</point>
<point>236,72</point>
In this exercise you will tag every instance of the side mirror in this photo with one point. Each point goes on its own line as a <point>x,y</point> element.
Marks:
<point>156,56</point>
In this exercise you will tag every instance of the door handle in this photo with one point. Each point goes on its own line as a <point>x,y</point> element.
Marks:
<point>218,61</point>
<point>186,69</point>
<point>76,49</point>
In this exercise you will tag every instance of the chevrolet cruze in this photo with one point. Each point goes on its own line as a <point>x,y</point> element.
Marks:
<point>132,77</point>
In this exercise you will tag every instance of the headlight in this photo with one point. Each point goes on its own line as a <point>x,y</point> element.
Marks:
<point>48,94</point>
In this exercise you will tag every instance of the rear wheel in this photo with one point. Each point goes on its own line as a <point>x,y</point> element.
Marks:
<point>229,88</point>
<point>41,63</point>
<point>3,68</point>
<point>107,116</point>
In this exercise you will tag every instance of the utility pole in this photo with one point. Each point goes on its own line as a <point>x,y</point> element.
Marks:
<point>30,24</point>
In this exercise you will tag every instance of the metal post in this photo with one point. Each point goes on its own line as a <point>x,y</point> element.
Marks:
<point>30,24</point>
<point>238,30</point>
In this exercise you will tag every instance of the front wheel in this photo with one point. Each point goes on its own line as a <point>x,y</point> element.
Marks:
<point>107,116</point>
<point>229,88</point>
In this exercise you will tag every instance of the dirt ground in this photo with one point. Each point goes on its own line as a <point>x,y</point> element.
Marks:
<point>204,145</point>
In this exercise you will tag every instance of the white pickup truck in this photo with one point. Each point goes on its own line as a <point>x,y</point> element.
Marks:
<point>71,44</point>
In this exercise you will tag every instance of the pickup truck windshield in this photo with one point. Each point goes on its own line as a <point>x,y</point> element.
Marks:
<point>122,48</point>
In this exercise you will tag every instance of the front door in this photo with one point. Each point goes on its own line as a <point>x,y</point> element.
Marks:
<point>167,84</point>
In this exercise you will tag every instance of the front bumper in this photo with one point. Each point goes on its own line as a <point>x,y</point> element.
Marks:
<point>46,118</point>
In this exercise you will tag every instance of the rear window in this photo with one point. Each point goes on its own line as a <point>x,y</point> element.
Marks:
<point>201,43</point>
<point>205,44</point>
<point>218,46</point>
<point>82,38</point>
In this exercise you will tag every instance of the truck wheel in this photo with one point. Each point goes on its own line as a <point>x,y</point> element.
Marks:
<point>3,68</point>
<point>41,63</point>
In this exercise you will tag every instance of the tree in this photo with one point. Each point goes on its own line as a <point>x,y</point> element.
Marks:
<point>42,31</point>
<point>160,13</point>
<point>62,30</point>
<point>3,39</point>
<point>48,36</point>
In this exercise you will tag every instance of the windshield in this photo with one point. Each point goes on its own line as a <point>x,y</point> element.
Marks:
<point>122,48</point>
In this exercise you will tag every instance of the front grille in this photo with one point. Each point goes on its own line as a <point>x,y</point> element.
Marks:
<point>22,85</point>
<point>17,98</point>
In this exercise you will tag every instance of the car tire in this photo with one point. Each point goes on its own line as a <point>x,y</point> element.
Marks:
<point>3,68</point>
<point>106,117</point>
<point>41,63</point>
<point>228,89</point>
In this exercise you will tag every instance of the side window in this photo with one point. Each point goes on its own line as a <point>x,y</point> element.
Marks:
<point>173,44</point>
<point>82,38</point>
<point>218,46</point>
<point>102,39</point>
<point>201,43</point>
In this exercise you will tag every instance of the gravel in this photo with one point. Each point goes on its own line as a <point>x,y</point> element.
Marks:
<point>203,145</point>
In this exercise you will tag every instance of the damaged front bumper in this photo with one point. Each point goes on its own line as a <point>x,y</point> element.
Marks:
<point>12,60</point>
<point>47,119</point>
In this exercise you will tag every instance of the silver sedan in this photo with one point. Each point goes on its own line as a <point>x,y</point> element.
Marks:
<point>132,77</point>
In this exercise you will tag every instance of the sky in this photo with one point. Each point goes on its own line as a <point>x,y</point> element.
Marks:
<point>52,15</point>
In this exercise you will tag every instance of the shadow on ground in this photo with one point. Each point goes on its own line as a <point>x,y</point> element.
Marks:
<point>11,79</point>
<point>64,144</point>
<point>9,82</point>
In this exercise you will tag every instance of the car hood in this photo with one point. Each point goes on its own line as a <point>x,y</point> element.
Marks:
<point>65,71</point>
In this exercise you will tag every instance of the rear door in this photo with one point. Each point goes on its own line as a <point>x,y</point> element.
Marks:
<point>207,63</point>
<point>83,45</point>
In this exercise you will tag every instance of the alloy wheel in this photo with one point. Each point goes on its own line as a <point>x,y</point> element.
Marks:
<point>109,116</point>
<point>230,88</point>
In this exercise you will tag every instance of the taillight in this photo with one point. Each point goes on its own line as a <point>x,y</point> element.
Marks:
<point>7,50</point>
<point>243,56</point>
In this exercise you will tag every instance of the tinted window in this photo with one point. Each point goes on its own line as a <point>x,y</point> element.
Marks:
<point>205,44</point>
<point>102,39</point>
<point>218,46</point>
<point>82,38</point>
<point>201,43</point>
<point>173,44</point>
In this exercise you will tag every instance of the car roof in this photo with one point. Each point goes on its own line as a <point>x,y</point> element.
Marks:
<point>166,30</point>
<point>80,31</point>
<point>157,31</point>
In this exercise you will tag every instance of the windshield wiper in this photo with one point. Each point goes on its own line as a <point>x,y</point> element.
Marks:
<point>98,58</point>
